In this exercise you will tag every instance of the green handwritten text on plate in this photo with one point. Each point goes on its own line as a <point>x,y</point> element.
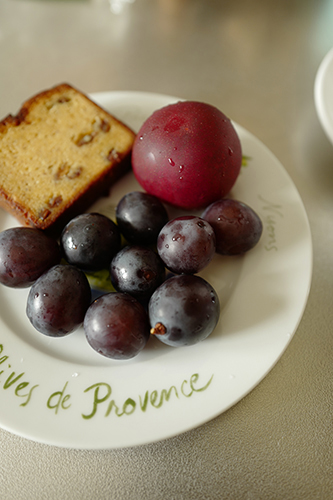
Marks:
<point>272,214</point>
<point>101,396</point>
<point>98,395</point>
<point>14,381</point>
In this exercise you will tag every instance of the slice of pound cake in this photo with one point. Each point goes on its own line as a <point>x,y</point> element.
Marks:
<point>58,155</point>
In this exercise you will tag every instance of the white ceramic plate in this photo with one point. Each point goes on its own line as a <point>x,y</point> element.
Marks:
<point>323,94</point>
<point>61,392</point>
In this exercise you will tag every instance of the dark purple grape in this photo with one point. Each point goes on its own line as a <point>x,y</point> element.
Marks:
<point>89,241</point>
<point>58,301</point>
<point>137,270</point>
<point>140,217</point>
<point>184,310</point>
<point>25,254</point>
<point>117,326</point>
<point>186,244</point>
<point>237,226</point>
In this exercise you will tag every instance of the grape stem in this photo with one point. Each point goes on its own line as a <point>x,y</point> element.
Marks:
<point>159,329</point>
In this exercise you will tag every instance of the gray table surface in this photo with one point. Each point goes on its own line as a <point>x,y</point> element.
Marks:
<point>256,60</point>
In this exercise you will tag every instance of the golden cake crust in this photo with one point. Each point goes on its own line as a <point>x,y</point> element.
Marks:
<point>58,155</point>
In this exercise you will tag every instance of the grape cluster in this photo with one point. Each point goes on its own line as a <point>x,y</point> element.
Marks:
<point>138,252</point>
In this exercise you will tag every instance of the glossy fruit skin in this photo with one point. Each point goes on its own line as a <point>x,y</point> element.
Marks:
<point>140,217</point>
<point>58,301</point>
<point>89,241</point>
<point>187,154</point>
<point>186,244</point>
<point>137,270</point>
<point>25,254</point>
<point>117,326</point>
<point>186,308</point>
<point>237,227</point>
